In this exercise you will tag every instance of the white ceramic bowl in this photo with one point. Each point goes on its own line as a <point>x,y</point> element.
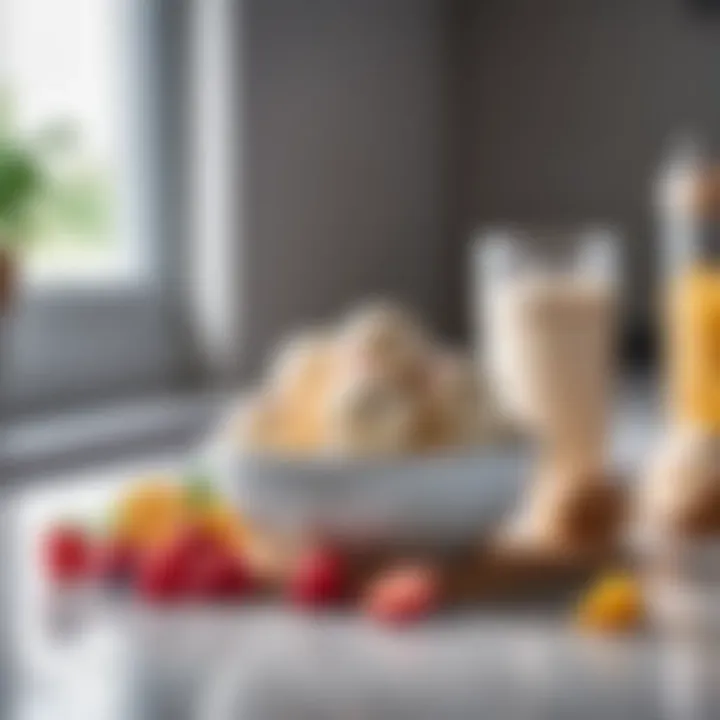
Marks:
<point>437,498</point>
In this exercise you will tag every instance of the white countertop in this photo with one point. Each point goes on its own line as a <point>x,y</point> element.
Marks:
<point>267,662</point>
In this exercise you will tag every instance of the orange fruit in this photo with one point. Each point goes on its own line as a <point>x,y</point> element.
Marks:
<point>614,604</point>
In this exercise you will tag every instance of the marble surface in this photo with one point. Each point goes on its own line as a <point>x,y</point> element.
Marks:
<point>268,663</point>
<point>73,658</point>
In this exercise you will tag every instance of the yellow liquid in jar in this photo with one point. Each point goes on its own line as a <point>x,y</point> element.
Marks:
<point>694,348</point>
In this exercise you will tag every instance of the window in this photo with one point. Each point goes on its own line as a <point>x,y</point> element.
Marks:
<point>66,62</point>
<point>97,317</point>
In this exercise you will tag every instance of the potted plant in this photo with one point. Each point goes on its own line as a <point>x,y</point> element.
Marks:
<point>48,193</point>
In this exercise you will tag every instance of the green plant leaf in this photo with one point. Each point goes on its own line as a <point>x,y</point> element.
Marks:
<point>199,488</point>
<point>46,192</point>
<point>21,182</point>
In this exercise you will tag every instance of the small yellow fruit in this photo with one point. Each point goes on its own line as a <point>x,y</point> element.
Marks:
<point>221,522</point>
<point>614,604</point>
<point>150,511</point>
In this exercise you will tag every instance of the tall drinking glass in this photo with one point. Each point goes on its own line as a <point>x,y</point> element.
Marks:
<point>546,314</point>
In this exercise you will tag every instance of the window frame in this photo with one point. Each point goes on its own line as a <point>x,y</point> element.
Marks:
<point>148,306</point>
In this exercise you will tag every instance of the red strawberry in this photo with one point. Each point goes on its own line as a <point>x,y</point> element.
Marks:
<point>403,594</point>
<point>162,575</point>
<point>319,578</point>
<point>67,551</point>
<point>115,561</point>
<point>192,544</point>
<point>218,576</point>
<point>238,580</point>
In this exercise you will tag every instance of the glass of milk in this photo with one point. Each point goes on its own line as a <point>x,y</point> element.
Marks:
<point>545,322</point>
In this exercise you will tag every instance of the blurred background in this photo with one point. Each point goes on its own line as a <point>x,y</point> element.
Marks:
<point>259,164</point>
<point>185,182</point>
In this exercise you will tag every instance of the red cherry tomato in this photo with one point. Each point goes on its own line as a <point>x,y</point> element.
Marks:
<point>162,576</point>
<point>193,566</point>
<point>67,553</point>
<point>219,576</point>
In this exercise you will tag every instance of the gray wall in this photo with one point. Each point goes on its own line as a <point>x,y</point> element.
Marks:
<point>346,162</point>
<point>568,104</point>
<point>379,134</point>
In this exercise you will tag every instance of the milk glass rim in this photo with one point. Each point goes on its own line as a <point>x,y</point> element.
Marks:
<point>589,246</point>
